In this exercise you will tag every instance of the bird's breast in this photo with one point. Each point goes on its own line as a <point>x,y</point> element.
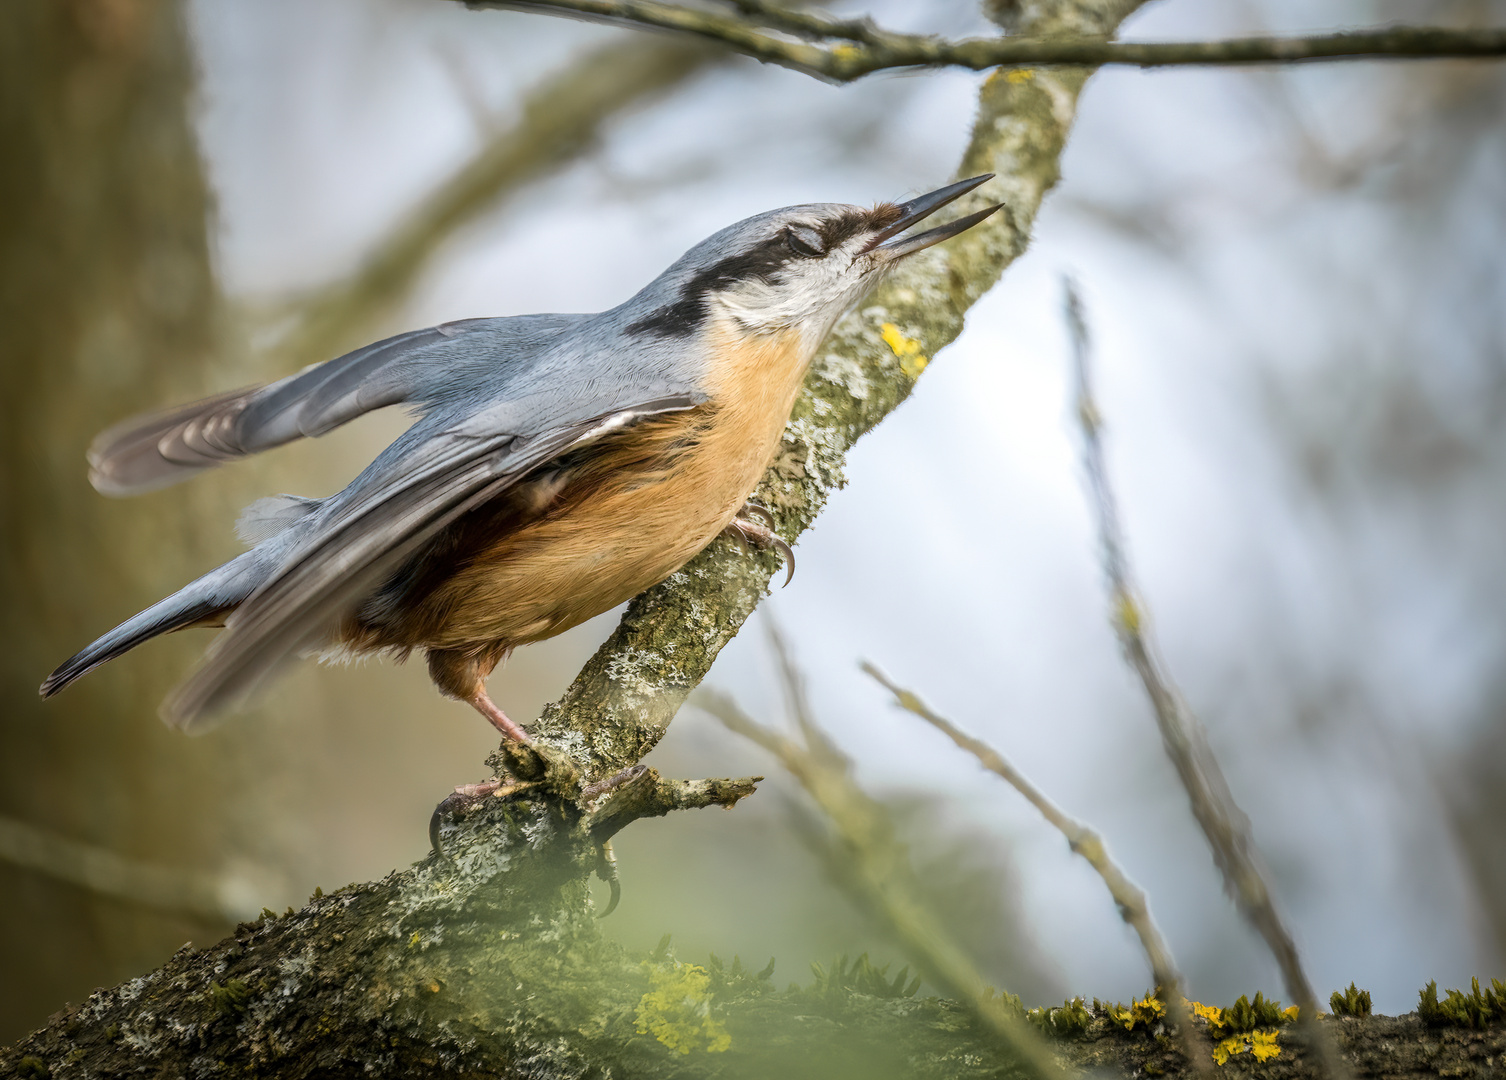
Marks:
<point>630,511</point>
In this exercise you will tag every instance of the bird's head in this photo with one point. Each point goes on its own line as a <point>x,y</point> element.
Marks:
<point>798,268</point>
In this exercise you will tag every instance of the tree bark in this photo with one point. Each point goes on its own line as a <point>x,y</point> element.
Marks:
<point>490,964</point>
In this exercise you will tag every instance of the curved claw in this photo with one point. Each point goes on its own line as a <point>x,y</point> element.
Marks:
<point>614,899</point>
<point>787,553</point>
<point>761,537</point>
<point>606,870</point>
<point>434,843</point>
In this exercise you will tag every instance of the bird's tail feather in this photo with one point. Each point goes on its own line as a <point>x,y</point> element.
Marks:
<point>217,591</point>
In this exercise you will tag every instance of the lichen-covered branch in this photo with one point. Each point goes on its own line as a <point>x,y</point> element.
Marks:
<point>647,794</point>
<point>1131,900</point>
<point>619,706</point>
<point>1182,734</point>
<point>861,48</point>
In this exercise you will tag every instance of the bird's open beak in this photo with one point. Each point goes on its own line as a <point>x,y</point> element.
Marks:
<point>923,206</point>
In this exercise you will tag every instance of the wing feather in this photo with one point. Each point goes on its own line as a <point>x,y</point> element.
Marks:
<point>159,449</point>
<point>351,553</point>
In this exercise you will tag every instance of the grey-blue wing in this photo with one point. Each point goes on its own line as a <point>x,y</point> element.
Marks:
<point>351,546</point>
<point>417,367</point>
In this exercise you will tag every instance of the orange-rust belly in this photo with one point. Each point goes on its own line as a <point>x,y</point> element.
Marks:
<point>634,529</point>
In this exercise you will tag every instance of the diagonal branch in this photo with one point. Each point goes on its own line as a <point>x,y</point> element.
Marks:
<point>623,700</point>
<point>1182,734</point>
<point>1131,900</point>
<point>863,48</point>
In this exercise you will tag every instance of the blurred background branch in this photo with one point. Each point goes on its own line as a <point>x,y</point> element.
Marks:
<point>864,48</point>
<point>214,898</point>
<point>1186,742</point>
<point>560,120</point>
<point>1133,905</point>
<point>872,865</point>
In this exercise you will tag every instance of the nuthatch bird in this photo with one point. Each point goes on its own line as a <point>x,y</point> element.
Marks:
<point>558,465</point>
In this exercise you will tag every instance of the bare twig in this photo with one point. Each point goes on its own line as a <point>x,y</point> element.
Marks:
<point>651,795</point>
<point>215,898</point>
<point>864,48</point>
<point>559,120</point>
<point>876,869</point>
<point>1186,742</point>
<point>1133,905</point>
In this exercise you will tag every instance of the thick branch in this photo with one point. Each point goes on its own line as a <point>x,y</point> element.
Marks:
<point>865,49</point>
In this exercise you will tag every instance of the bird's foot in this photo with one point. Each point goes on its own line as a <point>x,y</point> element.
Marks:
<point>753,525</point>
<point>592,792</point>
<point>466,797</point>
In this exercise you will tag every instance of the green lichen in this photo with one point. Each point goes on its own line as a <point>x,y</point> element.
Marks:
<point>230,999</point>
<point>1073,1018</point>
<point>1351,1002</point>
<point>1474,1010</point>
<point>860,977</point>
<point>1246,1015</point>
<point>32,1067</point>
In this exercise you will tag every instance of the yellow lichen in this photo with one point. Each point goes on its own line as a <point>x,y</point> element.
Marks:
<point>1211,1013</point>
<point>1019,75</point>
<point>1144,1012</point>
<point>677,1011</point>
<point>912,361</point>
<point>1262,1044</point>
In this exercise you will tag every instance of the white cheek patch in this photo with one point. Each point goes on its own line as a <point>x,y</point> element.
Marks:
<point>811,294</point>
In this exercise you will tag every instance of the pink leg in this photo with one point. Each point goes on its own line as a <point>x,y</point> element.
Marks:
<point>499,719</point>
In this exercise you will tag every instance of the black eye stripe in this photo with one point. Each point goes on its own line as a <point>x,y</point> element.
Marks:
<point>765,262</point>
<point>801,246</point>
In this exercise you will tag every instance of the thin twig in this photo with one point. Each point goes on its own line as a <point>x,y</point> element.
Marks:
<point>1182,734</point>
<point>213,898</point>
<point>863,48</point>
<point>1134,907</point>
<point>878,872</point>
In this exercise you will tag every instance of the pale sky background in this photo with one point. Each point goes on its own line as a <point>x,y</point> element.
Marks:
<point>1330,607</point>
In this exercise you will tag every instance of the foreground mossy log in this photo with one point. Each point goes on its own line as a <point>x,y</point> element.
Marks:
<point>490,963</point>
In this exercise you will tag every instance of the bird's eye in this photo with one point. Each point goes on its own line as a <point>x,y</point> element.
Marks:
<point>804,241</point>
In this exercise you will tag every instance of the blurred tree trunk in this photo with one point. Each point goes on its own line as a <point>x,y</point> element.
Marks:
<point>106,307</point>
